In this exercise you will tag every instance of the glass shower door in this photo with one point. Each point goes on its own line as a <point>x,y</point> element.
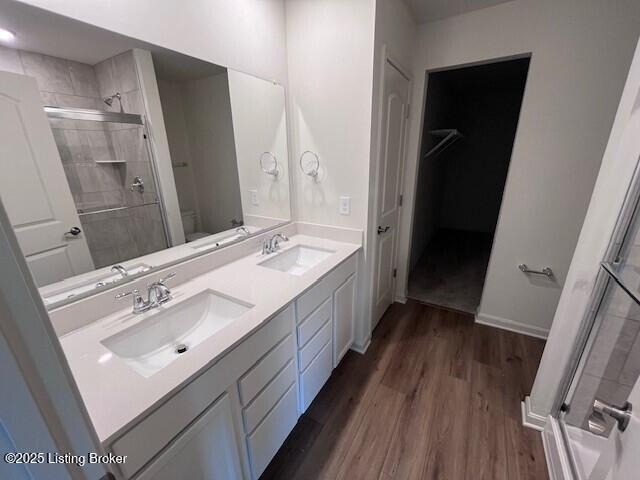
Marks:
<point>609,369</point>
<point>111,175</point>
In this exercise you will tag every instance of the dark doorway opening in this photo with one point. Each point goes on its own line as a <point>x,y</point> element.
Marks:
<point>469,126</point>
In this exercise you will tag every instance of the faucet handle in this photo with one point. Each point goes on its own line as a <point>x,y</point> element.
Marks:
<point>167,277</point>
<point>139,305</point>
<point>120,295</point>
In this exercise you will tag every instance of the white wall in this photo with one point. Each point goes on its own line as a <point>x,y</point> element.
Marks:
<point>330,59</point>
<point>260,125</point>
<point>207,110</point>
<point>581,51</point>
<point>176,126</point>
<point>246,35</point>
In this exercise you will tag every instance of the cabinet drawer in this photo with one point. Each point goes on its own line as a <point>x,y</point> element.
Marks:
<point>308,328</point>
<point>315,376</point>
<point>264,371</point>
<point>257,410</point>
<point>311,349</point>
<point>267,438</point>
<point>312,298</point>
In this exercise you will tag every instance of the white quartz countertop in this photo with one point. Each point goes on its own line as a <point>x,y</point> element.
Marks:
<point>115,395</point>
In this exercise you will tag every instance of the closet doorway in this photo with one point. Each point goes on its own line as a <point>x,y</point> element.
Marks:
<point>469,126</point>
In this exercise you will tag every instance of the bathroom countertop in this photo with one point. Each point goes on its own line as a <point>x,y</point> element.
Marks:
<point>115,395</point>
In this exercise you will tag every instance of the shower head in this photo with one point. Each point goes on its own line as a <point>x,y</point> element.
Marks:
<point>109,100</point>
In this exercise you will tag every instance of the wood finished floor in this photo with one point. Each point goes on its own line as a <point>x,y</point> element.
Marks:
<point>436,396</point>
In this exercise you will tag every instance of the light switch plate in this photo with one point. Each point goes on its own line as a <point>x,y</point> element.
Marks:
<point>345,205</point>
<point>253,194</point>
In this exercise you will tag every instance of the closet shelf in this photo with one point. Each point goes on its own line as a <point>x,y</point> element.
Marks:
<point>626,276</point>
<point>450,136</point>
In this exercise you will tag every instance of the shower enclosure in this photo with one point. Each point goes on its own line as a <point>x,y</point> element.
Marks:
<point>112,176</point>
<point>608,366</point>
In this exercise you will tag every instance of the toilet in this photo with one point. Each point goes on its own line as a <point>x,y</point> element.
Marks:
<point>189,225</point>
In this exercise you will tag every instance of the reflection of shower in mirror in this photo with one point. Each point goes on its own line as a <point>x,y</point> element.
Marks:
<point>109,100</point>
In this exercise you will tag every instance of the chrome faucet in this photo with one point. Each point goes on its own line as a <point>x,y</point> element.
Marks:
<point>157,294</point>
<point>121,270</point>
<point>272,244</point>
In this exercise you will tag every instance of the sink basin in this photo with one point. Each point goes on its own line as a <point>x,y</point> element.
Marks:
<point>161,338</point>
<point>297,260</point>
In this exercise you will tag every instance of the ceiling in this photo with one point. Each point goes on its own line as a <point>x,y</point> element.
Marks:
<point>45,32</point>
<point>430,10</point>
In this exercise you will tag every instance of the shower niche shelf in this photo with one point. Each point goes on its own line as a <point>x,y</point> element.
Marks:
<point>110,161</point>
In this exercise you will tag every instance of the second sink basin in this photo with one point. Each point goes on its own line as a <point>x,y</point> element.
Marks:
<point>159,339</point>
<point>297,260</point>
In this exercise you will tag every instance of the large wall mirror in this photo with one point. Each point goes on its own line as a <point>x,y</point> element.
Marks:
<point>119,157</point>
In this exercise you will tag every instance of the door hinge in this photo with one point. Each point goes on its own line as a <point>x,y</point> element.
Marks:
<point>400,201</point>
<point>395,272</point>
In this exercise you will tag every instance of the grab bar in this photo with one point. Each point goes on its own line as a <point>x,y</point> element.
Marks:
<point>115,209</point>
<point>546,271</point>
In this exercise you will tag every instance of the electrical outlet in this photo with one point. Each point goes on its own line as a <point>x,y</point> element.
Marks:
<point>345,205</point>
<point>253,194</point>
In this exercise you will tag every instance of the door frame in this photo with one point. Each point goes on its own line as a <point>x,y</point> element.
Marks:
<point>43,368</point>
<point>386,57</point>
<point>408,229</point>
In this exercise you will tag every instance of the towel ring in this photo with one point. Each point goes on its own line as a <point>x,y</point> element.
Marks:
<point>312,165</point>
<point>269,164</point>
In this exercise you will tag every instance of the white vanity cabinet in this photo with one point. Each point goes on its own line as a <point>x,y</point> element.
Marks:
<point>243,401</point>
<point>324,319</point>
<point>207,449</point>
<point>230,421</point>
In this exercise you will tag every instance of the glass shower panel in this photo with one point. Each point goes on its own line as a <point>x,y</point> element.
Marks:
<point>611,360</point>
<point>113,184</point>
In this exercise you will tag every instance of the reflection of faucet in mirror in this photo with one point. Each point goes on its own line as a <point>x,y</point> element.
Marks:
<point>243,231</point>
<point>236,223</point>
<point>109,100</point>
<point>121,270</point>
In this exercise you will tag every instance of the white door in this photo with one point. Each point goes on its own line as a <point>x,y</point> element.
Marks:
<point>33,186</point>
<point>394,122</point>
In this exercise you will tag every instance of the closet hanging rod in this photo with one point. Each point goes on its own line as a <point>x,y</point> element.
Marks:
<point>451,135</point>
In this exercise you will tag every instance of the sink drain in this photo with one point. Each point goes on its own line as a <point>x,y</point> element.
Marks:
<point>181,348</point>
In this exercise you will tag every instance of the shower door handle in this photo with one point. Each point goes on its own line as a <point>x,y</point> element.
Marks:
<point>622,415</point>
<point>598,424</point>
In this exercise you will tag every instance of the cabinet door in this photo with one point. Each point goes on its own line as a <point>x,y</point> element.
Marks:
<point>343,313</point>
<point>208,449</point>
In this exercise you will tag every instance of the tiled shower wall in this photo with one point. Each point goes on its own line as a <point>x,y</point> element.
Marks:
<point>90,151</point>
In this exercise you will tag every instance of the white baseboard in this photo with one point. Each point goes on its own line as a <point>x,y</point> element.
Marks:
<point>361,348</point>
<point>402,300</point>
<point>531,419</point>
<point>512,325</point>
